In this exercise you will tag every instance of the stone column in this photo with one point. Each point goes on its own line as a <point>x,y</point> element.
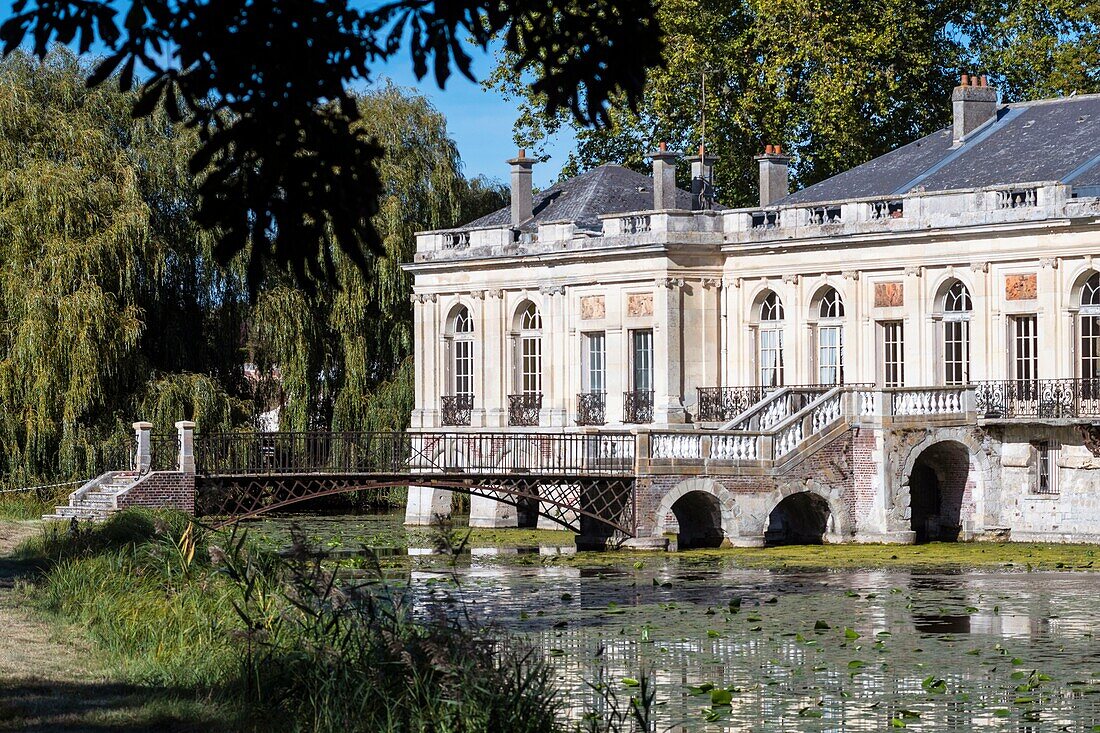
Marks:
<point>495,361</point>
<point>143,458</point>
<point>668,403</point>
<point>186,431</point>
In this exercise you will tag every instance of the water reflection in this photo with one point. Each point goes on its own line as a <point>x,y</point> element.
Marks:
<point>836,650</point>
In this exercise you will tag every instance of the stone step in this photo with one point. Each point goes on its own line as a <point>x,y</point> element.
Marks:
<point>79,512</point>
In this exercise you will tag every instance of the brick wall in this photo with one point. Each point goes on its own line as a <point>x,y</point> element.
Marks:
<point>161,490</point>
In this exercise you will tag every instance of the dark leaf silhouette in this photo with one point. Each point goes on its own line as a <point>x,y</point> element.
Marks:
<point>266,82</point>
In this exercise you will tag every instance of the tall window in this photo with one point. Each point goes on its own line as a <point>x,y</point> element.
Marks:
<point>462,353</point>
<point>1090,328</point>
<point>1024,366</point>
<point>641,360</point>
<point>830,339</point>
<point>956,334</point>
<point>892,367</point>
<point>594,368</point>
<point>771,341</point>
<point>530,350</point>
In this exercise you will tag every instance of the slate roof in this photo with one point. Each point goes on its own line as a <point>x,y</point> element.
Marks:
<point>1048,140</point>
<point>608,189</point>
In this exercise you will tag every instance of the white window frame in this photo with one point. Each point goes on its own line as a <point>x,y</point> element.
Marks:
<point>642,377</point>
<point>892,353</point>
<point>1024,351</point>
<point>769,347</point>
<point>830,339</point>
<point>955,334</point>
<point>594,363</point>
<point>529,352</point>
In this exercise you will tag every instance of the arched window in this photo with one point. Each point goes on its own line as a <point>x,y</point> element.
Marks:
<point>830,338</point>
<point>1089,327</point>
<point>770,341</point>
<point>462,352</point>
<point>956,334</point>
<point>529,351</point>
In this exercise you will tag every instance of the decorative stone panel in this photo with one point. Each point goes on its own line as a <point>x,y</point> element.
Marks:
<point>889,295</point>
<point>592,308</point>
<point>639,305</point>
<point>1021,287</point>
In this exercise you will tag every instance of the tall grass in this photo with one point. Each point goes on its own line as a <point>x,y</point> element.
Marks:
<point>283,639</point>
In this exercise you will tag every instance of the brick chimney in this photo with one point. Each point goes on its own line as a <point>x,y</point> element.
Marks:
<point>664,178</point>
<point>974,103</point>
<point>774,182</point>
<point>522,206</point>
<point>702,180</point>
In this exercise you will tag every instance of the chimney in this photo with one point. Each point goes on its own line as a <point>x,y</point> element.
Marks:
<point>974,103</point>
<point>702,180</point>
<point>664,178</point>
<point>774,184</point>
<point>521,187</point>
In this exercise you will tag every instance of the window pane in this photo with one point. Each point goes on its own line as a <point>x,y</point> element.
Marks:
<point>1025,346</point>
<point>829,355</point>
<point>642,360</point>
<point>771,357</point>
<point>595,357</point>
<point>893,360</point>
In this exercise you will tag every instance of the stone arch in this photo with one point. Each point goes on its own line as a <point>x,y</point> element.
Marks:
<point>944,283</point>
<point>704,513</point>
<point>1078,281</point>
<point>806,503</point>
<point>960,472</point>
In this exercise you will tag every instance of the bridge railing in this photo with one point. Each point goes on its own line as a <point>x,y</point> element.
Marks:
<point>410,453</point>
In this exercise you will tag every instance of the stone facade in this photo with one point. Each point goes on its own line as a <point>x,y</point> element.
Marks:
<point>971,313</point>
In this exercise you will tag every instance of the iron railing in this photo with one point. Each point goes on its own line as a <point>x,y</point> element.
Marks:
<point>410,454</point>
<point>1038,398</point>
<point>718,404</point>
<point>638,406</point>
<point>591,408</point>
<point>164,452</point>
<point>524,409</point>
<point>457,409</point>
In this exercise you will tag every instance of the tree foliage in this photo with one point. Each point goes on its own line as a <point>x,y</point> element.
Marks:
<point>284,160</point>
<point>837,83</point>
<point>114,307</point>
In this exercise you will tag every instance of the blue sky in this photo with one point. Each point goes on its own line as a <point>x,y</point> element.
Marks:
<point>479,121</point>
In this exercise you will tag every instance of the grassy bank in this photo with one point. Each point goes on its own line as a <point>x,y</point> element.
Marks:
<point>273,643</point>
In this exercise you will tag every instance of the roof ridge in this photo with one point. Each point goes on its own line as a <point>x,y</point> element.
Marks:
<point>1053,100</point>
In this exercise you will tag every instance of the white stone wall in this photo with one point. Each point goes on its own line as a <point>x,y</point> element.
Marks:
<point>1071,514</point>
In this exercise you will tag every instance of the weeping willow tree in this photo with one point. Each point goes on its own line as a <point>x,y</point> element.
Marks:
<point>112,307</point>
<point>109,305</point>
<point>342,357</point>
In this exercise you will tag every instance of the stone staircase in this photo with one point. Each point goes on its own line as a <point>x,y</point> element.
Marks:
<point>97,499</point>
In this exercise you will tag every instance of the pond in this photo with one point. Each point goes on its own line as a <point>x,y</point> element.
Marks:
<point>732,648</point>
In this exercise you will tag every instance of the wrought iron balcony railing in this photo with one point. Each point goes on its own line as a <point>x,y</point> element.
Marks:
<point>1038,398</point>
<point>591,408</point>
<point>457,409</point>
<point>718,404</point>
<point>638,406</point>
<point>524,409</point>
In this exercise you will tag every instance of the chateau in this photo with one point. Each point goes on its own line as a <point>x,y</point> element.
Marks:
<point>906,351</point>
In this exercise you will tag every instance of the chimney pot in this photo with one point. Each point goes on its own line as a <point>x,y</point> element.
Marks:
<point>522,203</point>
<point>664,178</point>
<point>973,103</point>
<point>774,183</point>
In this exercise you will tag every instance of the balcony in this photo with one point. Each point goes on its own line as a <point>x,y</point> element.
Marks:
<point>591,408</point>
<point>1041,399</point>
<point>457,409</point>
<point>524,409</point>
<point>638,406</point>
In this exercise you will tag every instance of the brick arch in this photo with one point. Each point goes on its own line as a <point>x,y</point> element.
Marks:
<point>980,470</point>
<point>727,505</point>
<point>839,525</point>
